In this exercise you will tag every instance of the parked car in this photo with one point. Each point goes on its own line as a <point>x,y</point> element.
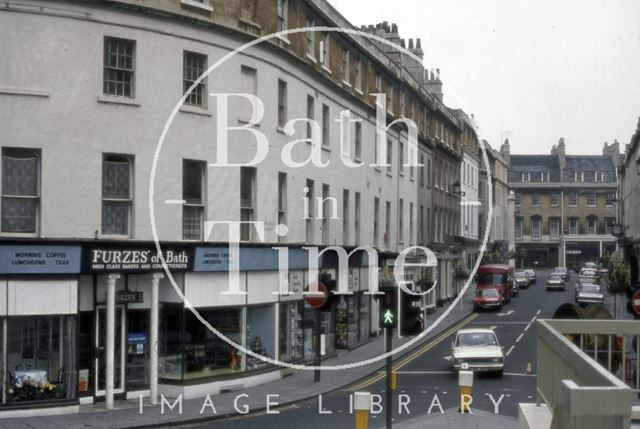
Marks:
<point>589,293</point>
<point>522,279</point>
<point>496,276</point>
<point>590,265</point>
<point>532,276</point>
<point>555,281</point>
<point>589,275</point>
<point>563,271</point>
<point>477,350</point>
<point>488,298</point>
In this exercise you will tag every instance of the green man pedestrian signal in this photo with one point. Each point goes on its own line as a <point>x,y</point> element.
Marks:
<point>388,307</point>
<point>388,318</point>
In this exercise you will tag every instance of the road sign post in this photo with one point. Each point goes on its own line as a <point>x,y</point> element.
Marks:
<point>388,332</point>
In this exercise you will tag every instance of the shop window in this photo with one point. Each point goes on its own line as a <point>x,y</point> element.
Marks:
<point>364,317</point>
<point>39,365</point>
<point>260,334</point>
<point>20,190</point>
<point>193,173</point>
<point>291,331</point>
<point>205,354</point>
<point>170,362</point>
<point>117,174</point>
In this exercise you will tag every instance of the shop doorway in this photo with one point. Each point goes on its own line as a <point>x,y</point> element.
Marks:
<point>101,350</point>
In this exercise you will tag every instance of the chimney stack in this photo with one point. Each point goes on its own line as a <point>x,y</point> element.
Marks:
<point>505,152</point>
<point>560,151</point>
<point>612,151</point>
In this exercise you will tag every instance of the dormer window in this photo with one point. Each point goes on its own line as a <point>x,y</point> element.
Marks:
<point>544,176</point>
<point>578,176</point>
<point>599,176</point>
<point>526,177</point>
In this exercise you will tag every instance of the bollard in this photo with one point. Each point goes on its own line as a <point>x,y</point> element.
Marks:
<point>465,381</point>
<point>362,406</point>
<point>394,380</point>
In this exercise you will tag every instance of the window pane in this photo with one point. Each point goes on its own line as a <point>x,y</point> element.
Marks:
<point>115,179</point>
<point>19,214</point>
<point>192,182</point>
<point>115,217</point>
<point>191,222</point>
<point>20,173</point>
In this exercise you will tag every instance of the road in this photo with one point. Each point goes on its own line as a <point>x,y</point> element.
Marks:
<point>425,376</point>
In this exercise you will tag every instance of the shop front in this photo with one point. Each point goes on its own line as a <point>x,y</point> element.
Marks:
<point>38,327</point>
<point>123,293</point>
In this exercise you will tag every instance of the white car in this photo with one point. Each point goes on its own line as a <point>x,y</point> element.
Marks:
<point>477,350</point>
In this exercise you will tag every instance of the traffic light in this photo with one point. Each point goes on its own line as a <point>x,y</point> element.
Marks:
<point>412,321</point>
<point>330,283</point>
<point>388,306</point>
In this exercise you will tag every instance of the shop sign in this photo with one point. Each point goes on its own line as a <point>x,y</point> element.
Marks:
<point>217,259</point>
<point>574,252</point>
<point>129,297</point>
<point>132,260</point>
<point>29,259</point>
<point>136,337</point>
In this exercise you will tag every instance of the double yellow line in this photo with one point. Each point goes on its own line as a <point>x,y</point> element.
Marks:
<point>416,353</point>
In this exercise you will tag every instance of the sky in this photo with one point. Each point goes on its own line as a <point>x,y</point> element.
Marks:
<point>529,70</point>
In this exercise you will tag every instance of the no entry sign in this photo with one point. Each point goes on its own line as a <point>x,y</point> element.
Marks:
<point>319,299</point>
<point>635,302</point>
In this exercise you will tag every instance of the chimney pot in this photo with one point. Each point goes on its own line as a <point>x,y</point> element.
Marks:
<point>394,28</point>
<point>402,43</point>
<point>418,43</point>
<point>410,43</point>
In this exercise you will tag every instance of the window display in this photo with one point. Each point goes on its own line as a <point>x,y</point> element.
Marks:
<point>260,334</point>
<point>364,318</point>
<point>39,365</point>
<point>291,331</point>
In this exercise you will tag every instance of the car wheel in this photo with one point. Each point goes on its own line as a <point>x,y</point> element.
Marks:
<point>499,373</point>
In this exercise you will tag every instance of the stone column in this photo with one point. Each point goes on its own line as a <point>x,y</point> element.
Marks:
<point>153,339</point>
<point>110,340</point>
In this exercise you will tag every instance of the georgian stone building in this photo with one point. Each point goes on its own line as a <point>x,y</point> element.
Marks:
<point>564,205</point>
<point>86,89</point>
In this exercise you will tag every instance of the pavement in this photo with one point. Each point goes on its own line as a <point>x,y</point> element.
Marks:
<point>451,418</point>
<point>291,390</point>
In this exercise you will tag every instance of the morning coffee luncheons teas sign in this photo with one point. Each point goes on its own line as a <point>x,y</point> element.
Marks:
<point>137,260</point>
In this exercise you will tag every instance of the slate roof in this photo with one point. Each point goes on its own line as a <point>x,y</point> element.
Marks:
<point>589,165</point>
<point>534,164</point>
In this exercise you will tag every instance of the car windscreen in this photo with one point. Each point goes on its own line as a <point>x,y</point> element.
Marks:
<point>491,293</point>
<point>590,289</point>
<point>520,275</point>
<point>554,277</point>
<point>490,278</point>
<point>471,339</point>
<point>588,273</point>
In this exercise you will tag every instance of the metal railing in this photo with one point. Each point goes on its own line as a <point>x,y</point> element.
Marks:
<point>576,362</point>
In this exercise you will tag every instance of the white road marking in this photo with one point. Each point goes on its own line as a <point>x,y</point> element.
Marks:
<point>534,319</point>
<point>493,327</point>
<point>505,314</point>
<point>519,337</point>
<point>538,312</point>
<point>510,350</point>
<point>527,327</point>
<point>513,374</point>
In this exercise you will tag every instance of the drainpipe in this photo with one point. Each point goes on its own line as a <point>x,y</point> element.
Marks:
<point>153,339</point>
<point>110,344</point>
